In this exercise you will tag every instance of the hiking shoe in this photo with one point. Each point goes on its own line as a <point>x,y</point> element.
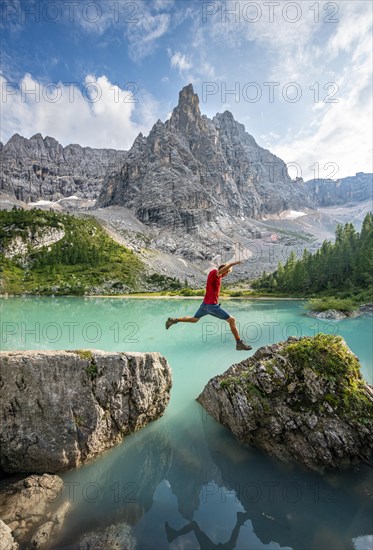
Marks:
<point>241,346</point>
<point>170,321</point>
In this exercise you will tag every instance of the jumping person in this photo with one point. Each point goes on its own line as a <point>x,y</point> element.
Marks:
<point>210,305</point>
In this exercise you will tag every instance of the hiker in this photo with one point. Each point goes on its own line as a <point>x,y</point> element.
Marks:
<point>211,306</point>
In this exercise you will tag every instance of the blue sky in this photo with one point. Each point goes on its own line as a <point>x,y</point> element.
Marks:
<point>296,74</point>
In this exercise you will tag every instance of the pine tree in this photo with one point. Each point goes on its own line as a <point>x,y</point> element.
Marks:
<point>345,265</point>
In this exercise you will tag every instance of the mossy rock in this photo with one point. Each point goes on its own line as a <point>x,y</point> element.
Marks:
<point>303,399</point>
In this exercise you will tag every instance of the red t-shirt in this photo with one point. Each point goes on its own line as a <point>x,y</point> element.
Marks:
<point>212,287</point>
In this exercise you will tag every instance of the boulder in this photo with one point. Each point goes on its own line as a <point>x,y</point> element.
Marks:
<point>6,538</point>
<point>302,400</point>
<point>329,314</point>
<point>32,509</point>
<point>115,537</point>
<point>61,408</point>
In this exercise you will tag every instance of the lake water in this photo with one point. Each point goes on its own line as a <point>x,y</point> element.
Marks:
<point>183,482</point>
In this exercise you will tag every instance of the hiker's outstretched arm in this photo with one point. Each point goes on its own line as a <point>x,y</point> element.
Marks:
<point>226,268</point>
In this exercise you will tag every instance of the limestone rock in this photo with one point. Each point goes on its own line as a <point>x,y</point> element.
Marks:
<point>60,408</point>
<point>330,314</point>
<point>33,509</point>
<point>350,190</point>
<point>32,238</point>
<point>188,172</point>
<point>302,400</point>
<point>6,539</point>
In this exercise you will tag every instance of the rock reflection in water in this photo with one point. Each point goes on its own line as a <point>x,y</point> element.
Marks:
<point>290,505</point>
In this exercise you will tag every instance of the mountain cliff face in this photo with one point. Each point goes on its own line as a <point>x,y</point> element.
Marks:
<point>326,192</point>
<point>37,168</point>
<point>191,170</point>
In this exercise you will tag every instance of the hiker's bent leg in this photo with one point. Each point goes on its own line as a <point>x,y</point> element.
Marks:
<point>188,319</point>
<point>232,324</point>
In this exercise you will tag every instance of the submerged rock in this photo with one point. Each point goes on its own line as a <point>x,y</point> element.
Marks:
<point>115,537</point>
<point>301,400</point>
<point>330,314</point>
<point>33,511</point>
<point>60,408</point>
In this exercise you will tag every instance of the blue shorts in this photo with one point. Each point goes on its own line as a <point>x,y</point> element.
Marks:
<point>211,309</point>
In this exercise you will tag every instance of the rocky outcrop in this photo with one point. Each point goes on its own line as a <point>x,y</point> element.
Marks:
<point>336,315</point>
<point>188,171</point>
<point>366,308</point>
<point>33,238</point>
<point>191,170</point>
<point>33,510</point>
<point>302,400</point>
<point>61,408</point>
<point>40,168</point>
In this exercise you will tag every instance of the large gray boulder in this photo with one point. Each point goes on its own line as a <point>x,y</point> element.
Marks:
<point>60,408</point>
<point>329,314</point>
<point>303,400</point>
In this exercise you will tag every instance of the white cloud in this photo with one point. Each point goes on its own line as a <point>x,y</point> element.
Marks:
<point>179,61</point>
<point>99,115</point>
<point>340,143</point>
<point>311,52</point>
<point>143,35</point>
<point>142,23</point>
<point>163,4</point>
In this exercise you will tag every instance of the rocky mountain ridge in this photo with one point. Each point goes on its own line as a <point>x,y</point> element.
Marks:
<point>188,171</point>
<point>42,169</point>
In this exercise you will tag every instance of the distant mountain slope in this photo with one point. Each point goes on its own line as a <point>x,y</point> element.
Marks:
<point>353,189</point>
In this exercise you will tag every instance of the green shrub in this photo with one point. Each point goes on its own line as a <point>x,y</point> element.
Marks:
<point>323,304</point>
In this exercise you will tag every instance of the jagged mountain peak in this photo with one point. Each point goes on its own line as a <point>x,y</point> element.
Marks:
<point>188,97</point>
<point>190,170</point>
<point>187,111</point>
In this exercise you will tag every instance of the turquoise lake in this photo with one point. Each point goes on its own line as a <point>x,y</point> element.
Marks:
<point>183,482</point>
